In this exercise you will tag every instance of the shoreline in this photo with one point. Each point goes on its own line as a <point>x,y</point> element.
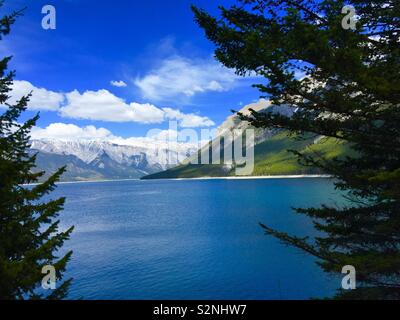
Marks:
<point>84,181</point>
<point>302,176</point>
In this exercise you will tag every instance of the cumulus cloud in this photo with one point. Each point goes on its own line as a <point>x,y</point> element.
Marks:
<point>41,99</point>
<point>62,131</point>
<point>180,136</point>
<point>119,84</point>
<point>72,132</point>
<point>189,120</point>
<point>104,106</point>
<point>178,76</point>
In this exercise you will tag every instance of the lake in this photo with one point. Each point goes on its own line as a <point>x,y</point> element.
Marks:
<point>192,239</point>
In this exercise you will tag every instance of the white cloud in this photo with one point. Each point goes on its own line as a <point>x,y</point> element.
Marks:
<point>62,131</point>
<point>179,76</point>
<point>104,106</point>
<point>163,135</point>
<point>71,132</point>
<point>41,99</point>
<point>101,105</point>
<point>189,120</point>
<point>119,84</point>
<point>180,136</point>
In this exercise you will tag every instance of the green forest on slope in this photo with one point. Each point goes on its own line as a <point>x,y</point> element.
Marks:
<point>271,157</point>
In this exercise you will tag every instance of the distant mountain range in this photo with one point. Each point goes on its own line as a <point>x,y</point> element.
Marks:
<point>271,150</point>
<point>97,160</point>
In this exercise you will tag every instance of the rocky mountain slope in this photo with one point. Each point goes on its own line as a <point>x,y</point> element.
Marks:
<point>95,160</point>
<point>270,152</point>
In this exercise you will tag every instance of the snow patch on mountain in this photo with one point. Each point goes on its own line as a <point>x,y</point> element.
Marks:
<point>155,153</point>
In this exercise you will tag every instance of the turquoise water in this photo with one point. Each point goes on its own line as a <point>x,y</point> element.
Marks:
<point>192,239</point>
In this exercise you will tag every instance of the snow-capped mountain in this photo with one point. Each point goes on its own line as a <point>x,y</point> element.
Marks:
<point>162,154</point>
<point>134,157</point>
<point>234,125</point>
<point>233,122</point>
<point>93,159</point>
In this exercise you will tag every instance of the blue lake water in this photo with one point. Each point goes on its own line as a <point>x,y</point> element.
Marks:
<point>192,239</point>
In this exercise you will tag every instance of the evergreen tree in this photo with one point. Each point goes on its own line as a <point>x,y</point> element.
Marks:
<point>29,236</point>
<point>345,84</point>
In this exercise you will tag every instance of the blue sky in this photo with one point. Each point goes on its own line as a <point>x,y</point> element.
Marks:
<point>158,59</point>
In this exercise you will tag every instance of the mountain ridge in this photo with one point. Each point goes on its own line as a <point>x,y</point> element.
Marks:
<point>98,160</point>
<point>271,155</point>
<point>146,158</point>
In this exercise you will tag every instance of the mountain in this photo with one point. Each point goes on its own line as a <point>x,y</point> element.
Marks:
<point>97,160</point>
<point>156,159</point>
<point>271,155</point>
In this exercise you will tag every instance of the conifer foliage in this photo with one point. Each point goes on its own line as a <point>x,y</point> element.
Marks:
<point>29,229</point>
<point>344,84</point>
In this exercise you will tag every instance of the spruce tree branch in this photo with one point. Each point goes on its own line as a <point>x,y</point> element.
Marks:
<point>299,243</point>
